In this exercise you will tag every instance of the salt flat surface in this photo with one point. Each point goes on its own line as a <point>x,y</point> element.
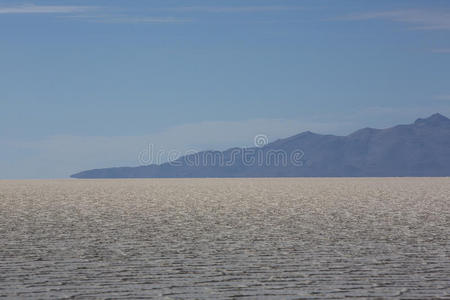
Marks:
<point>225,238</point>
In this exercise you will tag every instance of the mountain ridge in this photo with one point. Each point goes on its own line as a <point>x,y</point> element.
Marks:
<point>418,149</point>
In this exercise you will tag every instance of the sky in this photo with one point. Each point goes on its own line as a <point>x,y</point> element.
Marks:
<point>99,83</point>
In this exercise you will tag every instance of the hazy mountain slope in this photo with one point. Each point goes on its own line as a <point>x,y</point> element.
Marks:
<point>418,149</point>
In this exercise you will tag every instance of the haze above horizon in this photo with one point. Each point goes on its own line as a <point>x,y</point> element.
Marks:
<point>90,84</point>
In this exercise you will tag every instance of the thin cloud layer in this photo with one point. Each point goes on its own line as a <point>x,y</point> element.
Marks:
<point>80,13</point>
<point>42,9</point>
<point>421,19</point>
<point>121,19</point>
<point>104,15</point>
<point>233,9</point>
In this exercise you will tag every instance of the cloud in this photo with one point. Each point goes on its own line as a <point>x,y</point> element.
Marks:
<point>185,9</point>
<point>80,13</point>
<point>124,19</point>
<point>233,9</point>
<point>42,9</point>
<point>421,19</point>
<point>136,20</point>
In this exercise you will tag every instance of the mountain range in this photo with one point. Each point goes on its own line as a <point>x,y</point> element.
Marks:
<point>418,149</point>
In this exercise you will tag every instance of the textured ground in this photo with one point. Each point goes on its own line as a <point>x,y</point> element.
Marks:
<point>223,238</point>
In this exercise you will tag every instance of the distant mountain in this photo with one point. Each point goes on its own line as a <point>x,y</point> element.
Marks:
<point>418,149</point>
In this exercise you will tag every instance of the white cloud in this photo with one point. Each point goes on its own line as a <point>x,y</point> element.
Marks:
<point>116,19</point>
<point>42,9</point>
<point>233,9</point>
<point>421,19</point>
<point>136,20</point>
<point>80,13</point>
<point>125,19</point>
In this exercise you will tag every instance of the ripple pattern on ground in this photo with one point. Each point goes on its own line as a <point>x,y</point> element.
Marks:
<point>225,238</point>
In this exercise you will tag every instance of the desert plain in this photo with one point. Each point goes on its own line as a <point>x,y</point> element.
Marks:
<point>267,238</point>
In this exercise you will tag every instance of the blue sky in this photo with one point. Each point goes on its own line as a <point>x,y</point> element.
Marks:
<point>86,84</point>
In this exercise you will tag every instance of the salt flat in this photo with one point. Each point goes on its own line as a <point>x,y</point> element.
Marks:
<point>225,238</point>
